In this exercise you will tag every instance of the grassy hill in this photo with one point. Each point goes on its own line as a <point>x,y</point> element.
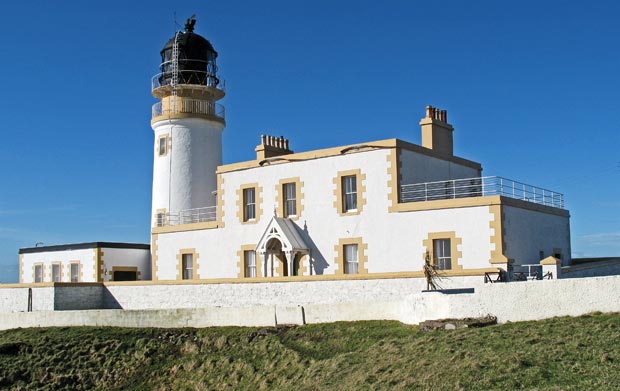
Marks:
<point>558,354</point>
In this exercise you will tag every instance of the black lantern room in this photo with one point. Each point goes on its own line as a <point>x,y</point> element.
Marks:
<point>195,59</point>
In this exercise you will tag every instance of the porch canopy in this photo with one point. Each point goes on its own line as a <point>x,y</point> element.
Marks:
<point>281,239</point>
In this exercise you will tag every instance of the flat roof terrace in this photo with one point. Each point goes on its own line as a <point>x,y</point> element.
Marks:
<point>478,187</point>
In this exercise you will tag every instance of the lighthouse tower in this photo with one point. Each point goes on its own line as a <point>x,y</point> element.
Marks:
<point>188,126</point>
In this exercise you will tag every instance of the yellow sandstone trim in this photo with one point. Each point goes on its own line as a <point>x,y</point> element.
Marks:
<point>220,200</point>
<point>322,277</point>
<point>303,266</point>
<point>168,139</point>
<point>299,206</point>
<point>34,268</point>
<point>195,264</point>
<point>550,261</point>
<point>185,227</point>
<point>164,212</point>
<point>80,270</point>
<point>59,263</point>
<point>154,257</point>
<point>393,185</point>
<point>455,253</point>
<point>281,264</point>
<point>337,151</point>
<point>125,269</point>
<point>362,257</point>
<point>98,274</point>
<point>241,261</point>
<point>258,203</point>
<point>497,239</point>
<point>360,180</point>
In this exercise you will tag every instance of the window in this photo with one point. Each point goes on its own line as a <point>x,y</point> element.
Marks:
<point>349,193</point>
<point>160,218</point>
<point>351,260</point>
<point>56,272</point>
<point>290,199</point>
<point>249,260</point>
<point>38,273</point>
<point>188,266</point>
<point>75,272</point>
<point>442,254</point>
<point>163,145</point>
<point>249,204</point>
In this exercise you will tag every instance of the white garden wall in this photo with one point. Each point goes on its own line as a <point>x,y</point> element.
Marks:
<point>262,304</point>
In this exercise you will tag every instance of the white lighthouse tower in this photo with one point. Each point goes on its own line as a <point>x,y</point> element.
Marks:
<point>188,126</point>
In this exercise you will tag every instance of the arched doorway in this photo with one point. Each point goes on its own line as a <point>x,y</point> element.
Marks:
<point>281,248</point>
<point>276,258</point>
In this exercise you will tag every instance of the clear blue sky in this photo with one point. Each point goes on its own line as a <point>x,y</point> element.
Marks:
<point>531,87</point>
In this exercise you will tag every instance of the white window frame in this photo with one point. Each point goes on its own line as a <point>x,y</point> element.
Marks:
<point>187,266</point>
<point>56,277</point>
<point>249,204</point>
<point>249,262</point>
<point>38,273</point>
<point>442,254</point>
<point>162,146</point>
<point>351,258</point>
<point>289,190</point>
<point>75,277</point>
<point>349,193</point>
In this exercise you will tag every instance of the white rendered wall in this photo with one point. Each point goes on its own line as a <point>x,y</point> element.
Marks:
<point>185,177</point>
<point>527,232</point>
<point>395,240</point>
<point>86,258</point>
<point>418,168</point>
<point>15,299</point>
<point>126,257</point>
<point>312,302</point>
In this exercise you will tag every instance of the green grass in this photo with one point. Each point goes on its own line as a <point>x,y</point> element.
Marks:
<point>557,354</point>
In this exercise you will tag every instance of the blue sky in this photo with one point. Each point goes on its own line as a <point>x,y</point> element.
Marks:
<point>531,88</point>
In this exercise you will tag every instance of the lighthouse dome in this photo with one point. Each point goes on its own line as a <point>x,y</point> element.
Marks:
<point>195,58</point>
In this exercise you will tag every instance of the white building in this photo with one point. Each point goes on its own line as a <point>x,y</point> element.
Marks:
<point>85,262</point>
<point>377,208</point>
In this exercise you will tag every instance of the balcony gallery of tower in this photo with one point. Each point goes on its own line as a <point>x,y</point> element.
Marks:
<point>188,124</point>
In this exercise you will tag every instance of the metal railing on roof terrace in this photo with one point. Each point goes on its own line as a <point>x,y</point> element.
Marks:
<point>190,106</point>
<point>480,186</point>
<point>187,216</point>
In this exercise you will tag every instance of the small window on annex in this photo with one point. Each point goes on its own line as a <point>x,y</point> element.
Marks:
<point>188,266</point>
<point>349,193</point>
<point>249,261</point>
<point>38,273</point>
<point>442,256</point>
<point>249,204</point>
<point>162,145</point>
<point>75,272</point>
<point>56,272</point>
<point>290,199</point>
<point>351,260</point>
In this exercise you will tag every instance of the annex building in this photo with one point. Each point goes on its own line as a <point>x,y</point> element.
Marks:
<point>379,208</point>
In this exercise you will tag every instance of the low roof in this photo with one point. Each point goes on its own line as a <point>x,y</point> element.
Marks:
<point>82,246</point>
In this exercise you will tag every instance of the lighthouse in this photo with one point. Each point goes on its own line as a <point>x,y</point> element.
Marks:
<point>188,124</point>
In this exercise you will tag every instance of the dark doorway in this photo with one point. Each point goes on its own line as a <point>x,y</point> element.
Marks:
<point>125,275</point>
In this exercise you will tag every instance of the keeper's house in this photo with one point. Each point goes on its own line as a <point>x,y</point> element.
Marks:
<point>377,208</point>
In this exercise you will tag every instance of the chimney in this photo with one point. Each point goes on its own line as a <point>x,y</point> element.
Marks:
<point>436,131</point>
<point>271,146</point>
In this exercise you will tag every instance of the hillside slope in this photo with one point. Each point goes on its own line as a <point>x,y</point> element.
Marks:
<point>556,354</point>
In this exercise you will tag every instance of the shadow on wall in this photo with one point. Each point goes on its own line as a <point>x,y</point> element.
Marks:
<point>318,262</point>
<point>109,301</point>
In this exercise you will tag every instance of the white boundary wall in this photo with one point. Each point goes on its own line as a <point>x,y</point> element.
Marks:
<point>289,303</point>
